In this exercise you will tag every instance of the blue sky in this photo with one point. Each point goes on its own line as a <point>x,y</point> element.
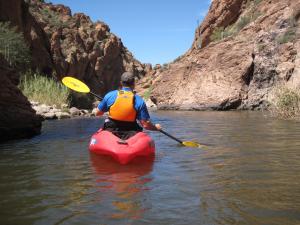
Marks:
<point>156,31</point>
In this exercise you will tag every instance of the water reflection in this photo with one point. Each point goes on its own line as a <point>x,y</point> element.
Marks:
<point>248,175</point>
<point>126,184</point>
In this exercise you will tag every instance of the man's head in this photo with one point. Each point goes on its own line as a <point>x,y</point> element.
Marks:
<point>127,79</point>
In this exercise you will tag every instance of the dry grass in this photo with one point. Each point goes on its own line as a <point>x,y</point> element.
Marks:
<point>45,90</point>
<point>285,102</point>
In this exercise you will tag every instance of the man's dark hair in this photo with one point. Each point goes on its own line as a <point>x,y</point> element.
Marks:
<point>127,79</point>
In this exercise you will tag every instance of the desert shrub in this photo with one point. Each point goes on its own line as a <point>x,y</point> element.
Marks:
<point>228,31</point>
<point>242,22</point>
<point>53,18</point>
<point>218,34</point>
<point>13,46</point>
<point>147,93</point>
<point>285,102</point>
<point>39,88</point>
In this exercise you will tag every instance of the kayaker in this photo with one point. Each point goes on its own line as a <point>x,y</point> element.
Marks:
<point>125,108</point>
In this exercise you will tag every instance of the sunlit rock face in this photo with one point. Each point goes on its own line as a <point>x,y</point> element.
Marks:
<point>63,44</point>
<point>17,118</point>
<point>242,50</point>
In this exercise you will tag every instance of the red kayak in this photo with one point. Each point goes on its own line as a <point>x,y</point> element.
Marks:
<point>106,143</point>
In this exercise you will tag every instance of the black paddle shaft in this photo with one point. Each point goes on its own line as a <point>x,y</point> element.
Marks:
<point>97,96</point>
<point>169,135</point>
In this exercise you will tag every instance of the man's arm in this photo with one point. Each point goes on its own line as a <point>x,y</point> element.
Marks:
<point>148,125</point>
<point>103,105</point>
<point>144,117</point>
<point>99,112</point>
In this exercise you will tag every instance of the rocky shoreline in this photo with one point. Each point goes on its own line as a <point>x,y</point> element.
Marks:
<point>48,112</point>
<point>53,112</point>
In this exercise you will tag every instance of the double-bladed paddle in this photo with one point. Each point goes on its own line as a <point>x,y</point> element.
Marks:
<point>79,86</point>
<point>185,143</point>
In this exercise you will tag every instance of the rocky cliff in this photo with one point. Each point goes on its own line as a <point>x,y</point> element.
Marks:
<point>242,50</point>
<point>61,44</point>
<point>66,44</point>
<point>17,118</point>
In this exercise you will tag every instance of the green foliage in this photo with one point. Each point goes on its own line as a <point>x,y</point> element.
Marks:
<point>285,102</point>
<point>53,18</point>
<point>147,93</point>
<point>218,34</point>
<point>39,88</point>
<point>13,46</point>
<point>243,22</point>
<point>229,31</point>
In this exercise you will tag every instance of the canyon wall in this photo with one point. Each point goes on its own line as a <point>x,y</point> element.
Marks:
<point>241,52</point>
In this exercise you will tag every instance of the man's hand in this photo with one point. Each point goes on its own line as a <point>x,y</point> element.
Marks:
<point>158,126</point>
<point>98,112</point>
<point>150,126</point>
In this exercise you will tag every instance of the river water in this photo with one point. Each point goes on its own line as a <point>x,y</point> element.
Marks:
<point>249,173</point>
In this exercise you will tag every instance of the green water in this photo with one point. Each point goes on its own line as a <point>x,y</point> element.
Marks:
<point>250,174</point>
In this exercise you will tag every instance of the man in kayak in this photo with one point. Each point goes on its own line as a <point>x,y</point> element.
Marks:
<point>125,108</point>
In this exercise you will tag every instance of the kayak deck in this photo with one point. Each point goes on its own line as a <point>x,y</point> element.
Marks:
<point>105,143</point>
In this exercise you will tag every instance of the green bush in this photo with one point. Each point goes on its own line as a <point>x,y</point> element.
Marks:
<point>285,102</point>
<point>13,46</point>
<point>147,93</point>
<point>229,31</point>
<point>39,88</point>
<point>53,18</point>
<point>218,34</point>
<point>242,22</point>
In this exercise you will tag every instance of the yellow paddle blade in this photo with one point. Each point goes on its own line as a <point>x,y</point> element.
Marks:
<point>75,84</point>
<point>191,144</point>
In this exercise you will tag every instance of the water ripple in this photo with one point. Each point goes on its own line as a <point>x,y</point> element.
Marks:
<point>248,174</point>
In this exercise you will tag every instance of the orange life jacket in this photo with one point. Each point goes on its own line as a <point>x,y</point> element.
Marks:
<point>123,108</point>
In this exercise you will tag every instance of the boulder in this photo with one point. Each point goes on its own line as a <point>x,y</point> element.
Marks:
<point>75,112</point>
<point>17,118</point>
<point>63,115</point>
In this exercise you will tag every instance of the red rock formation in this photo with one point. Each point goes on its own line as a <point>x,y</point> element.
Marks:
<point>83,49</point>
<point>221,14</point>
<point>63,44</point>
<point>17,118</point>
<point>16,11</point>
<point>238,71</point>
